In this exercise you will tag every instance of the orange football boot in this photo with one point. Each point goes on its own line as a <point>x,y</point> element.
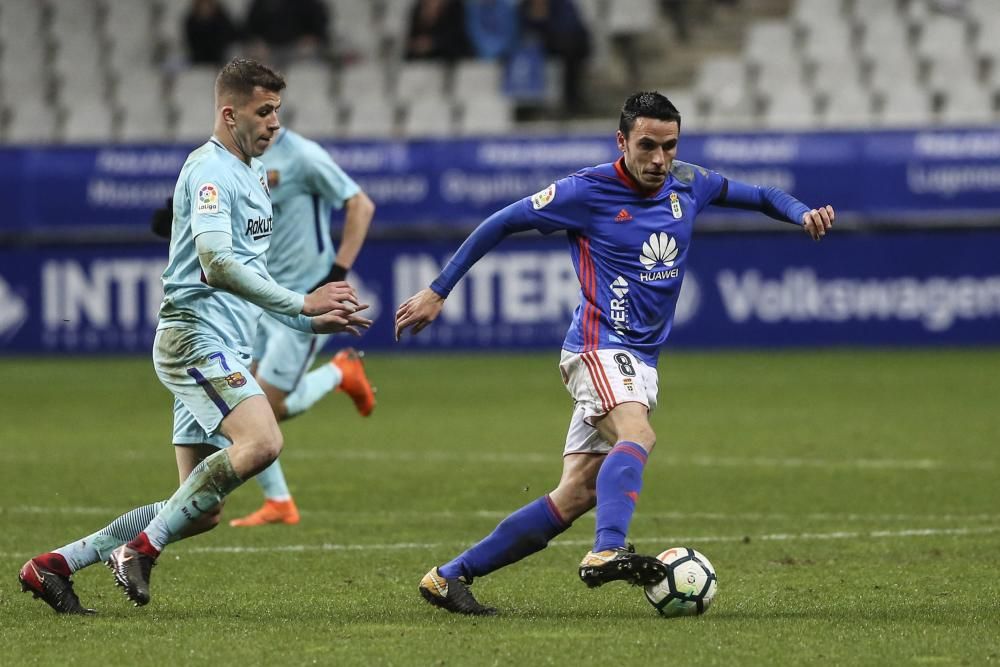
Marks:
<point>355,382</point>
<point>273,511</point>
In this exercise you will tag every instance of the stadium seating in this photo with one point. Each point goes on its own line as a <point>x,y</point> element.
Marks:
<point>814,63</point>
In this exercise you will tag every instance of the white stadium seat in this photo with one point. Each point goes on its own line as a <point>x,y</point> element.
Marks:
<point>33,122</point>
<point>769,41</point>
<point>419,79</point>
<point>847,107</point>
<point>428,117</point>
<point>362,79</point>
<point>476,77</point>
<point>942,37</point>
<point>790,107</point>
<point>485,115</point>
<point>906,106</point>
<point>377,121</point>
<point>89,121</point>
<point>968,105</point>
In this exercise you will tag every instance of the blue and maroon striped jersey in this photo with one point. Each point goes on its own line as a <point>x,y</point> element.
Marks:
<point>629,247</point>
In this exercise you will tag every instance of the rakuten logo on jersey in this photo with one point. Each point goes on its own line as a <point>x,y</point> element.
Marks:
<point>659,249</point>
<point>619,304</point>
<point>259,228</point>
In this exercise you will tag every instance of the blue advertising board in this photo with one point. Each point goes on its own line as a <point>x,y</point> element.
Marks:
<point>936,175</point>
<point>743,290</point>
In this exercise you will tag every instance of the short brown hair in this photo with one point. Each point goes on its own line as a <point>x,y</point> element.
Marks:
<point>241,75</point>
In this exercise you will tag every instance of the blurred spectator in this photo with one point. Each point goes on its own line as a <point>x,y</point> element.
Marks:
<point>958,8</point>
<point>492,26</point>
<point>284,30</point>
<point>557,25</point>
<point>437,31</point>
<point>677,12</point>
<point>209,32</point>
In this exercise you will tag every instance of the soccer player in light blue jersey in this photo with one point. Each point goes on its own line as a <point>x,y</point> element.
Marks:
<point>305,184</point>
<point>629,227</point>
<point>215,287</point>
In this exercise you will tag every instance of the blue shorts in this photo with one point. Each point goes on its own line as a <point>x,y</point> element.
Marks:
<point>284,354</point>
<point>207,378</point>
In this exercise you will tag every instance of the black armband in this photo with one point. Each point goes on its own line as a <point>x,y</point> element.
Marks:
<point>337,273</point>
<point>162,220</point>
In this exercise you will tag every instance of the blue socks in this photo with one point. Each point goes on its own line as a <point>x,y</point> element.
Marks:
<point>618,486</point>
<point>521,534</point>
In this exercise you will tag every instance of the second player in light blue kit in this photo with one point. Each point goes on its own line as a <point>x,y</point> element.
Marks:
<point>305,185</point>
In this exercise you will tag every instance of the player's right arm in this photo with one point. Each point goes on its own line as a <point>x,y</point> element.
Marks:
<point>334,305</point>
<point>560,206</point>
<point>211,228</point>
<point>223,271</point>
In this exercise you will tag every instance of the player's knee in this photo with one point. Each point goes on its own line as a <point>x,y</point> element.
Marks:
<point>266,447</point>
<point>270,447</point>
<point>642,434</point>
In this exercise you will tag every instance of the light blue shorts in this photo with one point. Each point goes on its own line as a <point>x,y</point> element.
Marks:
<point>207,378</point>
<point>284,354</point>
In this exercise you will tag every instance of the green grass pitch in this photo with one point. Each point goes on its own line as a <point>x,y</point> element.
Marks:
<point>848,499</point>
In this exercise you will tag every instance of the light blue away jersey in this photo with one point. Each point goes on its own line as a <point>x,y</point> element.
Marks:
<point>216,192</point>
<point>305,184</point>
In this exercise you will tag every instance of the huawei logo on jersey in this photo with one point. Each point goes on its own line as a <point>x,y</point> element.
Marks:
<point>623,216</point>
<point>659,249</point>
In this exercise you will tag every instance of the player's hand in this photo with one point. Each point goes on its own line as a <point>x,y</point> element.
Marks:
<point>418,311</point>
<point>340,320</point>
<point>331,296</point>
<point>818,221</point>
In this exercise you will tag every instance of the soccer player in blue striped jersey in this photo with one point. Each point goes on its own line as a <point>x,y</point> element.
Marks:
<point>305,185</point>
<point>629,227</point>
<point>215,287</point>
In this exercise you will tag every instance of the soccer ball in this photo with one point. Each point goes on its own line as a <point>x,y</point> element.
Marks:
<point>689,586</point>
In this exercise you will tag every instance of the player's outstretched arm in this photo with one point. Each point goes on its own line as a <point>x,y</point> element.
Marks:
<point>342,321</point>
<point>818,221</point>
<point>777,204</point>
<point>223,271</point>
<point>331,296</point>
<point>418,311</point>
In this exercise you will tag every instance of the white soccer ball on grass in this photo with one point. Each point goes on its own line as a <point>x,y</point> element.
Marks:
<point>690,584</point>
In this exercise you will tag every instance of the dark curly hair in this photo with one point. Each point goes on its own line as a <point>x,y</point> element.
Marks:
<point>648,105</point>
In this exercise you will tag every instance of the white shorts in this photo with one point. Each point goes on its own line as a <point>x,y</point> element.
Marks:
<point>283,354</point>
<point>207,378</point>
<point>598,381</point>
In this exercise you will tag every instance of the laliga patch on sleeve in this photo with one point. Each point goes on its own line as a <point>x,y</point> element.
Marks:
<point>208,199</point>
<point>542,199</point>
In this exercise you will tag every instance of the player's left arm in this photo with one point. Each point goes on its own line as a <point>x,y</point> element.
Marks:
<point>359,211</point>
<point>333,184</point>
<point>776,204</point>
